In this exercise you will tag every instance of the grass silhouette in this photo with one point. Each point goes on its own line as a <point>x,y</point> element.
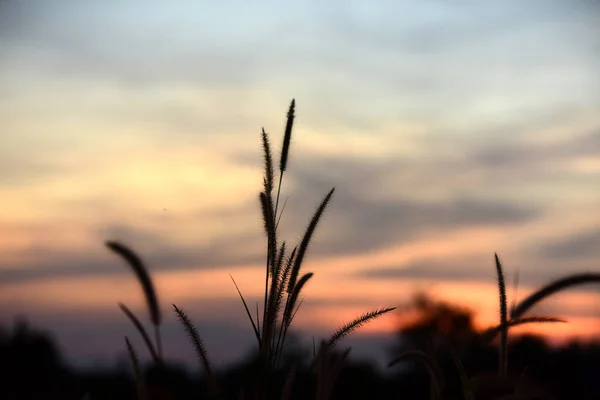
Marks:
<point>282,278</point>
<point>284,284</point>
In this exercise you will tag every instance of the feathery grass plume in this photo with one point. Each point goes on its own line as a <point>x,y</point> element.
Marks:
<point>136,322</point>
<point>306,241</point>
<point>266,205</point>
<point>269,175</point>
<point>490,334</point>
<point>503,318</point>
<point>434,373</point>
<point>287,136</point>
<point>285,273</point>
<point>143,276</point>
<point>285,150</point>
<point>284,276</point>
<point>199,348</point>
<point>280,258</point>
<point>268,211</point>
<point>551,288</point>
<point>135,363</point>
<point>357,323</point>
<point>148,287</point>
<point>256,330</point>
<point>289,313</point>
<point>287,316</point>
<point>274,301</point>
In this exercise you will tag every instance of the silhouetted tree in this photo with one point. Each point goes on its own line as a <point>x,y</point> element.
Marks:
<point>30,364</point>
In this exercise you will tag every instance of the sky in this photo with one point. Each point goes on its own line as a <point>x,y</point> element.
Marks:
<point>450,129</point>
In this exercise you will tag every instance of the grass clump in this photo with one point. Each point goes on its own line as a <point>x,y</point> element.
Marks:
<point>285,281</point>
<point>283,278</point>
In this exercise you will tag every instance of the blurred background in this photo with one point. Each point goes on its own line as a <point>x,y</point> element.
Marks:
<point>451,130</point>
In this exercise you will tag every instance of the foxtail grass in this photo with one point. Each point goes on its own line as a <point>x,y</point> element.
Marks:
<point>198,344</point>
<point>490,333</point>
<point>348,328</point>
<point>283,273</point>
<point>143,276</point>
<point>138,325</point>
<point>145,280</point>
<point>284,278</point>
<point>551,289</point>
<point>503,361</point>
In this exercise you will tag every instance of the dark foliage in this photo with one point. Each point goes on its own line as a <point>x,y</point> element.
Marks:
<point>31,367</point>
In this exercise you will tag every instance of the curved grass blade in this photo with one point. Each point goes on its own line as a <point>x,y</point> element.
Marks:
<point>552,288</point>
<point>280,212</point>
<point>139,378</point>
<point>306,241</point>
<point>136,322</point>
<point>357,323</point>
<point>199,348</point>
<point>490,334</point>
<point>143,277</point>
<point>296,309</point>
<point>288,313</point>
<point>256,331</point>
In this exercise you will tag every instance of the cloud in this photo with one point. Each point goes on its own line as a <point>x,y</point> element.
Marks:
<point>581,245</point>
<point>516,156</point>
<point>159,252</point>
<point>439,270</point>
<point>379,202</point>
<point>357,53</point>
<point>359,220</point>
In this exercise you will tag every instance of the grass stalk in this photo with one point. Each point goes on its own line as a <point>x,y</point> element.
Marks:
<point>143,333</point>
<point>137,371</point>
<point>503,319</point>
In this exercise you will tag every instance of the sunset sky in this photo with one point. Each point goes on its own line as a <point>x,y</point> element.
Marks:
<point>450,130</point>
